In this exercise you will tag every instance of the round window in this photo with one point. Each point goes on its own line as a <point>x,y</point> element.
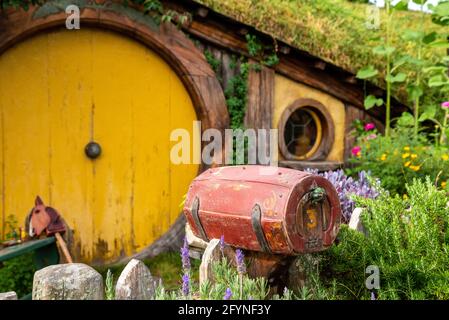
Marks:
<point>305,131</point>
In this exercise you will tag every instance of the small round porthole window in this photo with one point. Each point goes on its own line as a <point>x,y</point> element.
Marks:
<point>305,131</point>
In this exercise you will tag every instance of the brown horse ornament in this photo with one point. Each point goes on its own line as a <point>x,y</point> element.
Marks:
<point>43,218</point>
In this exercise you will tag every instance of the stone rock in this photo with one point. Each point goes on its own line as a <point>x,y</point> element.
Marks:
<point>11,295</point>
<point>355,222</point>
<point>193,240</point>
<point>135,282</point>
<point>213,255</point>
<point>74,281</point>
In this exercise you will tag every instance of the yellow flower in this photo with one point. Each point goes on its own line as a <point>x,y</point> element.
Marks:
<point>445,157</point>
<point>406,148</point>
<point>395,152</point>
<point>405,155</point>
<point>443,184</point>
<point>405,196</point>
<point>407,164</point>
<point>415,168</point>
<point>413,156</point>
<point>359,154</point>
<point>383,157</point>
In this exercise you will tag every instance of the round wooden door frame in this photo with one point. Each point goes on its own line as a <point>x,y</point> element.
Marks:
<point>169,42</point>
<point>327,125</point>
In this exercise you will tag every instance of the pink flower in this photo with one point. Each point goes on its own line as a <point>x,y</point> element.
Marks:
<point>445,105</point>
<point>370,126</point>
<point>356,150</point>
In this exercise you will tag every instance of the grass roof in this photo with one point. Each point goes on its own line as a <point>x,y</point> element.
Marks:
<point>333,30</point>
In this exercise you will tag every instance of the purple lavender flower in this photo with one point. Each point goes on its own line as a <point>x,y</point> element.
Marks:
<point>373,296</point>
<point>185,256</point>
<point>185,284</point>
<point>222,244</point>
<point>228,294</point>
<point>347,186</point>
<point>240,257</point>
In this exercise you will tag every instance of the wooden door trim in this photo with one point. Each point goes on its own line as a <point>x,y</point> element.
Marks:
<point>165,39</point>
<point>169,42</point>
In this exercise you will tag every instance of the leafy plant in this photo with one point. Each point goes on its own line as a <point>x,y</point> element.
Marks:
<point>416,77</point>
<point>398,159</point>
<point>24,4</point>
<point>11,227</point>
<point>228,279</point>
<point>109,286</point>
<point>213,62</point>
<point>17,275</point>
<point>267,55</point>
<point>407,239</point>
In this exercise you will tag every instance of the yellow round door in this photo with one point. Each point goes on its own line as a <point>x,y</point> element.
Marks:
<point>63,89</point>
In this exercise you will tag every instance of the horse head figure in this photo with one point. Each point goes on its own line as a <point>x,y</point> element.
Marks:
<point>43,218</point>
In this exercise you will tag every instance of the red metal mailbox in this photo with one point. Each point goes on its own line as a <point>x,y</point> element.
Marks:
<point>266,209</point>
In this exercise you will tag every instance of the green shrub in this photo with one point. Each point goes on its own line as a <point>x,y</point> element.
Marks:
<point>407,239</point>
<point>398,159</point>
<point>166,266</point>
<point>17,275</point>
<point>227,278</point>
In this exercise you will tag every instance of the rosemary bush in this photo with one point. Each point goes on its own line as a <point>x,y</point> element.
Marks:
<point>408,239</point>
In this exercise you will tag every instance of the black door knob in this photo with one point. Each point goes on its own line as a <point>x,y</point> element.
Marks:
<point>92,150</point>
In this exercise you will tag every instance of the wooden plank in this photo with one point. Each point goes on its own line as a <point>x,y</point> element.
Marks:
<point>260,103</point>
<point>20,249</point>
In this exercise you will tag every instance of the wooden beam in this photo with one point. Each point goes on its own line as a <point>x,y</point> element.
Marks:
<point>260,98</point>
<point>260,104</point>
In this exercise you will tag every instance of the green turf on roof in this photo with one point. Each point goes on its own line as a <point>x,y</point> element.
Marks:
<point>333,30</point>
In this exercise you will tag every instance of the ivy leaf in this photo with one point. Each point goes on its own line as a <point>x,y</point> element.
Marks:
<point>400,77</point>
<point>367,72</point>
<point>406,120</point>
<point>371,101</point>
<point>414,92</point>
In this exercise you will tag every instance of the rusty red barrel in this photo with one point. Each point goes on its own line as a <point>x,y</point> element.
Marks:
<point>267,209</point>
